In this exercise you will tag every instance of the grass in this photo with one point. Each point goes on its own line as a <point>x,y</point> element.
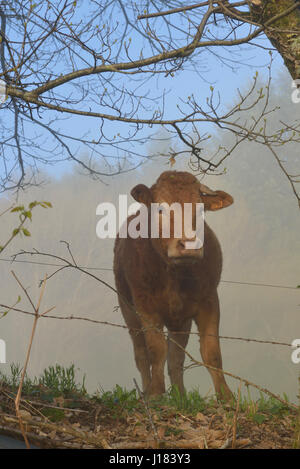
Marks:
<point>58,387</point>
<point>190,402</point>
<point>264,408</point>
<point>56,379</point>
<point>54,415</point>
<point>120,400</point>
<point>62,381</point>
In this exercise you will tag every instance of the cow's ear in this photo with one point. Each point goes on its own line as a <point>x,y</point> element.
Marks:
<point>142,194</point>
<point>217,200</point>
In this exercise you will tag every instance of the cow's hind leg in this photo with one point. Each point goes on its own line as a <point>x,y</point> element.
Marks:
<point>177,341</point>
<point>208,325</point>
<point>139,344</point>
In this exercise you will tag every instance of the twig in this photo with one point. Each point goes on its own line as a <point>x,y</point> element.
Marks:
<point>86,437</point>
<point>245,381</point>
<point>182,9</point>
<point>235,418</point>
<point>18,397</point>
<point>148,412</point>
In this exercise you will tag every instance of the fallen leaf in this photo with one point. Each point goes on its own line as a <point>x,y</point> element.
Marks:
<point>201,418</point>
<point>25,414</point>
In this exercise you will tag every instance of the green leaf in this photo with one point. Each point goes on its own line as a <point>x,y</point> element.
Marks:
<point>26,232</point>
<point>17,209</point>
<point>15,231</point>
<point>259,418</point>
<point>28,214</point>
<point>46,204</point>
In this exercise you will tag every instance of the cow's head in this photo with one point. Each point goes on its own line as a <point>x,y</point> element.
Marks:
<point>179,188</point>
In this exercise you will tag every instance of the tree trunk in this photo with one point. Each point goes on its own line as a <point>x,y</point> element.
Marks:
<point>284,34</point>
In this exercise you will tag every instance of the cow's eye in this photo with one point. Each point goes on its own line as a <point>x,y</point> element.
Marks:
<point>206,194</point>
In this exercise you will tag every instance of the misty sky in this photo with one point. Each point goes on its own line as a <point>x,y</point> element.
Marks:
<point>260,239</point>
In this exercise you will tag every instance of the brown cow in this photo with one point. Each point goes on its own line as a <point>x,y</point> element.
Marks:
<point>161,283</point>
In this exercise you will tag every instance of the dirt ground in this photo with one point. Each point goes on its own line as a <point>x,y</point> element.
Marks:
<point>86,423</point>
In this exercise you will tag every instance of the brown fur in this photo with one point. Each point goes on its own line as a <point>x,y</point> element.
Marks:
<point>156,290</point>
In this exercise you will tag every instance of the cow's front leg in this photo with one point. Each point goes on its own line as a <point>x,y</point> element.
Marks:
<point>177,342</point>
<point>208,325</point>
<point>157,352</point>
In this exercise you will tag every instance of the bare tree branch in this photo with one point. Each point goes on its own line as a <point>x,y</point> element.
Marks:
<point>59,60</point>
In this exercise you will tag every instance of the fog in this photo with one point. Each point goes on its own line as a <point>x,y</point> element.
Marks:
<point>260,240</point>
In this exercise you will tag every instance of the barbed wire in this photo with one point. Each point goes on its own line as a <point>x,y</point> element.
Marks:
<point>193,360</point>
<point>142,329</point>
<point>255,284</point>
<point>123,326</point>
<point>85,269</point>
